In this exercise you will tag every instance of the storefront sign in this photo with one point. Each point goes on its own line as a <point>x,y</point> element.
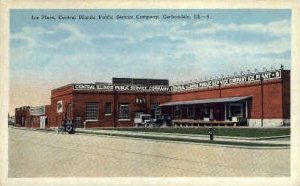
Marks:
<point>243,79</point>
<point>107,87</point>
<point>37,111</point>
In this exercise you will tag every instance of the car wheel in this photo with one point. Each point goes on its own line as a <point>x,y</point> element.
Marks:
<point>69,128</point>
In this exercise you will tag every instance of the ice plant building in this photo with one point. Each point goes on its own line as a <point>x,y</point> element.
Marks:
<point>108,105</point>
<point>255,100</point>
<point>260,99</point>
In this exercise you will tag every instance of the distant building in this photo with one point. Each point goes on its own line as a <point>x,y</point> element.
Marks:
<point>32,117</point>
<point>11,120</point>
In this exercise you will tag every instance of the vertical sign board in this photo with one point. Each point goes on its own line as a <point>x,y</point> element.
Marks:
<point>43,121</point>
<point>59,106</point>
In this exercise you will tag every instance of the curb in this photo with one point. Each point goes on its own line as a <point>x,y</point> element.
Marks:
<point>176,138</point>
<point>169,138</point>
<point>186,137</point>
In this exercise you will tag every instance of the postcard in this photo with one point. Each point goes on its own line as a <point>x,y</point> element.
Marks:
<point>170,93</point>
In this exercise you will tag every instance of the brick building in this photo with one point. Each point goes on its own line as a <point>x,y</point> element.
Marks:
<point>32,117</point>
<point>259,99</point>
<point>107,105</point>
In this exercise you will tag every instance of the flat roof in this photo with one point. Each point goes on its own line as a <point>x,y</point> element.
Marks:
<point>203,101</point>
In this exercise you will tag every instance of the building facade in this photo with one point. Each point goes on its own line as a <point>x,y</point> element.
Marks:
<point>107,105</point>
<point>259,99</point>
<point>32,117</point>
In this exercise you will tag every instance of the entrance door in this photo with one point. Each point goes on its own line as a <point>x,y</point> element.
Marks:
<point>43,121</point>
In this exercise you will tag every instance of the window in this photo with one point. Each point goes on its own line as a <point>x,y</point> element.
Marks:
<point>236,110</point>
<point>124,111</point>
<point>91,111</point>
<point>190,111</point>
<point>176,111</point>
<point>206,111</point>
<point>155,109</point>
<point>107,109</point>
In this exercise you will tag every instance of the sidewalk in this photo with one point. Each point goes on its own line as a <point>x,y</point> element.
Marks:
<point>278,140</point>
<point>274,140</point>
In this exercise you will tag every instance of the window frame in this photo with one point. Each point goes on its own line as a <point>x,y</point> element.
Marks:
<point>127,118</point>
<point>105,109</point>
<point>190,111</point>
<point>96,118</point>
<point>232,105</point>
<point>177,111</point>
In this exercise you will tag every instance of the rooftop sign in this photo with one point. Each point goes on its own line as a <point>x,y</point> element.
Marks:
<point>234,80</point>
<point>241,79</point>
<point>109,87</point>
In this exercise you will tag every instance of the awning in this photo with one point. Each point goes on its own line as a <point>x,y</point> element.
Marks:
<point>203,101</point>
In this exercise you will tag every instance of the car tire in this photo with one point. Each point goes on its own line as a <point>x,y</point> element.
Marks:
<point>69,128</point>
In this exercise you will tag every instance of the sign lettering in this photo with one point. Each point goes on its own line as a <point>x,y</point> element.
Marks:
<point>242,79</point>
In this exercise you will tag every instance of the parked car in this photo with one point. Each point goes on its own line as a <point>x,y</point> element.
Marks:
<point>144,120</point>
<point>66,126</point>
<point>163,121</point>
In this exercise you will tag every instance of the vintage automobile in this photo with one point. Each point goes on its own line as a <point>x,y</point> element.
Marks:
<point>163,121</point>
<point>66,126</point>
<point>144,120</point>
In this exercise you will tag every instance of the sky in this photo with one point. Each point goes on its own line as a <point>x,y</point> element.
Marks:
<point>47,53</point>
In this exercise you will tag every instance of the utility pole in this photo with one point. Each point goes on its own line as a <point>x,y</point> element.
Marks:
<point>262,101</point>
<point>220,94</point>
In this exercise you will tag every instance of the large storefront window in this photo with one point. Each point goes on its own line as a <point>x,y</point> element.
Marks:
<point>208,112</point>
<point>176,111</point>
<point>236,110</point>
<point>124,111</point>
<point>91,111</point>
<point>190,111</point>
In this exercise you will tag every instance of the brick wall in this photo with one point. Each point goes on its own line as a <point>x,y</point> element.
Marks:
<point>63,94</point>
<point>29,121</point>
<point>274,103</point>
<point>79,99</point>
<point>286,89</point>
<point>22,116</point>
<point>272,97</point>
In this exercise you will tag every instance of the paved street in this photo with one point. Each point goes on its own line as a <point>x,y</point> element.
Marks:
<point>48,154</point>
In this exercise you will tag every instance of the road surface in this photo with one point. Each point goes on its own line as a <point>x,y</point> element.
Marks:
<point>48,154</point>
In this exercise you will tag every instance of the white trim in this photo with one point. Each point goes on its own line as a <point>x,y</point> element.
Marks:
<point>91,120</point>
<point>124,119</point>
<point>268,122</point>
<point>107,114</point>
<point>246,109</point>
